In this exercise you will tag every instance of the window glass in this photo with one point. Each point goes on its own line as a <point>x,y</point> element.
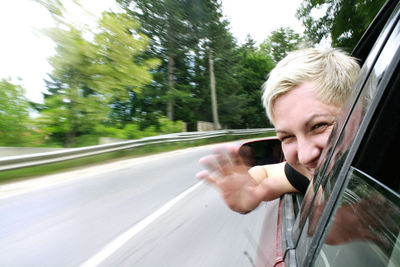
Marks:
<point>365,227</point>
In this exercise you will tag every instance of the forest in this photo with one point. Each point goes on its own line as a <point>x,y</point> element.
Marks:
<point>161,66</point>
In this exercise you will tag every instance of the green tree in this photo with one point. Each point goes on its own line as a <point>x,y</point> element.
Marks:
<point>73,105</point>
<point>118,67</point>
<point>344,21</point>
<point>183,34</point>
<point>280,42</point>
<point>255,64</point>
<point>88,75</point>
<point>215,42</point>
<point>167,24</point>
<point>14,114</point>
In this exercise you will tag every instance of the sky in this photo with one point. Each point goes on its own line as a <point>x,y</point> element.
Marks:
<point>24,50</point>
<point>260,17</point>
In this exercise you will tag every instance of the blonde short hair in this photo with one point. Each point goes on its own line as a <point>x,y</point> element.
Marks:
<point>333,71</point>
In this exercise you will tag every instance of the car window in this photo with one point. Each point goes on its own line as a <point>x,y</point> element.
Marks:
<point>365,228</point>
<point>314,211</point>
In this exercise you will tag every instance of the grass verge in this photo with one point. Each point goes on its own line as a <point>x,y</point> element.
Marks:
<point>31,172</point>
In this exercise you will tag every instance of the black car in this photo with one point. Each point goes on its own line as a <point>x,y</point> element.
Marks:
<point>350,215</point>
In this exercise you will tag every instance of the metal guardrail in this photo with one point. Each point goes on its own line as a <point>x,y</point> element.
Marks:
<point>16,162</point>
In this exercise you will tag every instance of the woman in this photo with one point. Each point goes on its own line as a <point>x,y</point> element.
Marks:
<point>302,97</point>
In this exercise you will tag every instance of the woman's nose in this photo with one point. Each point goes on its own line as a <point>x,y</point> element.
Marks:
<point>308,151</point>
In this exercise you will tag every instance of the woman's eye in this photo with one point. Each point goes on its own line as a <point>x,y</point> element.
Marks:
<point>285,138</point>
<point>319,125</point>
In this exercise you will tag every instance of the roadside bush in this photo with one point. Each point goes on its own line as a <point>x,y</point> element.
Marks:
<point>167,126</point>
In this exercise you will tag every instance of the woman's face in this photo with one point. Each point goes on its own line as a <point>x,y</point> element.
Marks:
<point>303,124</point>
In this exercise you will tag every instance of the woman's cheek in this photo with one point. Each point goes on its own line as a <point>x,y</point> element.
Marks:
<point>325,137</point>
<point>289,151</point>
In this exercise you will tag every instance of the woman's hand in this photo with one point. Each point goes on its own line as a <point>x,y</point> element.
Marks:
<point>243,189</point>
<point>228,172</point>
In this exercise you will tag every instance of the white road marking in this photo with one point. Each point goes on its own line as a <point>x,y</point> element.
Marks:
<point>134,230</point>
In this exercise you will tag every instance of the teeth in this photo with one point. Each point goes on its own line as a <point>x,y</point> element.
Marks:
<point>312,169</point>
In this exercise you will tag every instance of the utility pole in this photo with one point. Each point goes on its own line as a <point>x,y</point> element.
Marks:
<point>214,107</point>
<point>170,101</point>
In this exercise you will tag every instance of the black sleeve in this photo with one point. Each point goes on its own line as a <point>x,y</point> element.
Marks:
<point>299,181</point>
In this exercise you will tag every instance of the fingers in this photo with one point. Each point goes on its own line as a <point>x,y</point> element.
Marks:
<point>211,163</point>
<point>224,162</point>
<point>228,158</point>
<point>213,173</point>
<point>205,175</point>
<point>234,155</point>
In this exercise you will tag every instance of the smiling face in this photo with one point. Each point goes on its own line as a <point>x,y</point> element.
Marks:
<point>303,124</point>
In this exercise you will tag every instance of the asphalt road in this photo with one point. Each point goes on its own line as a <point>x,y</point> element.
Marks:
<point>150,211</point>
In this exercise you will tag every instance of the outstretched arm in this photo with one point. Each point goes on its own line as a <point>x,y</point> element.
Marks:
<point>243,189</point>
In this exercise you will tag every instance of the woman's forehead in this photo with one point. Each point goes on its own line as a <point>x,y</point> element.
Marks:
<point>301,104</point>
